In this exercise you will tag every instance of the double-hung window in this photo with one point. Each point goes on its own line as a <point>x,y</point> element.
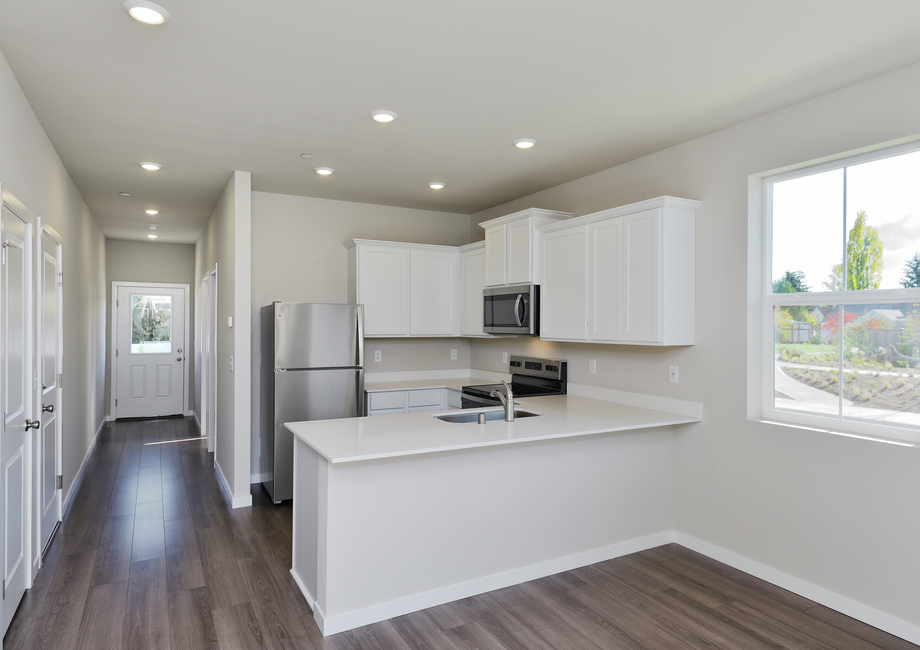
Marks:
<point>841,344</point>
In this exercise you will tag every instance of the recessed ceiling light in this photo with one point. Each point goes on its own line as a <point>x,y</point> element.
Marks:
<point>146,12</point>
<point>152,211</point>
<point>383,116</point>
<point>324,171</point>
<point>124,194</point>
<point>151,236</point>
<point>524,143</point>
<point>436,186</point>
<point>151,166</point>
<point>306,155</point>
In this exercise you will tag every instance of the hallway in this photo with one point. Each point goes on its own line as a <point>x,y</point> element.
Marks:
<point>150,555</point>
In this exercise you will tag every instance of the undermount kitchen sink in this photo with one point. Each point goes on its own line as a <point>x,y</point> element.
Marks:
<point>473,416</point>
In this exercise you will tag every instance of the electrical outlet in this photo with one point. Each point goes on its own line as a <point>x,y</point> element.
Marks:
<point>504,357</point>
<point>673,374</point>
<point>378,355</point>
<point>453,353</point>
<point>592,366</point>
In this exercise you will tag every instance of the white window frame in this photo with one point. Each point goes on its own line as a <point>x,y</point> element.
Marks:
<point>901,434</point>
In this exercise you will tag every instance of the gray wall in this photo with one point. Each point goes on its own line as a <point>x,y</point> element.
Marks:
<point>31,169</point>
<point>225,242</point>
<point>136,261</point>
<point>298,256</point>
<point>837,512</point>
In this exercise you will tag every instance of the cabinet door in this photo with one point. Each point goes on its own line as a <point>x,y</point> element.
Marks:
<point>564,294</point>
<point>519,236</point>
<point>431,293</point>
<point>606,255</point>
<point>472,278</point>
<point>641,276</point>
<point>495,256</point>
<point>383,289</point>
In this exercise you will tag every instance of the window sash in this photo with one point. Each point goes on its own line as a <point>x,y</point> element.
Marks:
<point>841,424</point>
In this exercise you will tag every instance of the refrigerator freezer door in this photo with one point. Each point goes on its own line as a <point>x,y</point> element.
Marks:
<point>313,335</point>
<point>309,395</point>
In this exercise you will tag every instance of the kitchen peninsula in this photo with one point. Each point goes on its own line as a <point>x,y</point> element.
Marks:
<point>399,513</point>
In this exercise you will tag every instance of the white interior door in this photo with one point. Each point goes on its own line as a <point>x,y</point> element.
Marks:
<point>48,443</point>
<point>150,350</point>
<point>17,397</point>
<point>211,367</point>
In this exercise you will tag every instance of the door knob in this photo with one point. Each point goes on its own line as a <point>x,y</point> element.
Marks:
<point>47,408</point>
<point>32,425</point>
<point>178,358</point>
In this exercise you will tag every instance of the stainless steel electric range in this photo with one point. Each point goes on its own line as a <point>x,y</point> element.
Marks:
<point>530,377</point>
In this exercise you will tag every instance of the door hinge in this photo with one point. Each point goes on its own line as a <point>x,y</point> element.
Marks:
<point>117,302</point>
<point>61,279</point>
<point>3,424</point>
<point>4,589</point>
<point>116,402</point>
<point>60,482</point>
<point>116,352</point>
<point>60,380</point>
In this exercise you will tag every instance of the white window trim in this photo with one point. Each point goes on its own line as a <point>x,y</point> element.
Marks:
<point>763,301</point>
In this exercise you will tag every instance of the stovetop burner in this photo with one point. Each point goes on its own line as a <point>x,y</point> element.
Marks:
<point>531,377</point>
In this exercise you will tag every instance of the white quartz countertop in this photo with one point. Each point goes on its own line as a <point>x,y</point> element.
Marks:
<point>421,384</point>
<point>561,416</point>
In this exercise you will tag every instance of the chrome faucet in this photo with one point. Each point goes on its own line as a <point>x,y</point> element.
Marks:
<point>507,403</point>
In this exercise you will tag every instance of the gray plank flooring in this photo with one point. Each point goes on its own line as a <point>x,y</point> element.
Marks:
<point>151,556</point>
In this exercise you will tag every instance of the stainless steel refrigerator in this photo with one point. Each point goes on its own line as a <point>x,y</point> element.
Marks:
<point>312,369</point>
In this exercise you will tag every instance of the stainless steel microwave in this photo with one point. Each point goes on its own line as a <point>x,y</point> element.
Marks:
<point>512,310</point>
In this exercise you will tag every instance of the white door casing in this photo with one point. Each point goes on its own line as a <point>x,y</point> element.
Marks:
<point>207,325</point>
<point>48,443</point>
<point>17,400</point>
<point>149,349</point>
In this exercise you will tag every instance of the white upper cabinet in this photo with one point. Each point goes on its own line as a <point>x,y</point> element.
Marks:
<point>432,289</point>
<point>635,266</point>
<point>513,246</point>
<point>406,289</point>
<point>564,285</point>
<point>472,282</point>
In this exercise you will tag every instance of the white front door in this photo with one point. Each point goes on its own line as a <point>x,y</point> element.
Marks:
<point>150,350</point>
<point>48,444</point>
<point>17,398</point>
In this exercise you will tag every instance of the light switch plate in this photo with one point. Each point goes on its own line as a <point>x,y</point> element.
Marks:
<point>378,355</point>
<point>504,357</point>
<point>592,366</point>
<point>453,353</point>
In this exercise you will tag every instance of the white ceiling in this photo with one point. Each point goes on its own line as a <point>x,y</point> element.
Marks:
<point>250,85</point>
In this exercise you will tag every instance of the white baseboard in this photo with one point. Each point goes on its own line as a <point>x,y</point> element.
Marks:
<point>197,421</point>
<point>71,490</point>
<point>383,611</point>
<point>235,501</point>
<point>835,601</point>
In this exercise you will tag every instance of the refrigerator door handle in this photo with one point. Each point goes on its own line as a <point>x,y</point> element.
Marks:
<point>359,397</point>
<point>360,314</point>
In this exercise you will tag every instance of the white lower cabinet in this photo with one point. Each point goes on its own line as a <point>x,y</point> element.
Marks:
<point>395,402</point>
<point>625,275</point>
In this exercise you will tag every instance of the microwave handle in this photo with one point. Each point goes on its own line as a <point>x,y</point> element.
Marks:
<point>517,311</point>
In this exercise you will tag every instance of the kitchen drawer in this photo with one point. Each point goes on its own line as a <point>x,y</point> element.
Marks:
<point>453,399</point>
<point>389,400</point>
<point>425,409</point>
<point>377,412</point>
<point>428,397</point>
